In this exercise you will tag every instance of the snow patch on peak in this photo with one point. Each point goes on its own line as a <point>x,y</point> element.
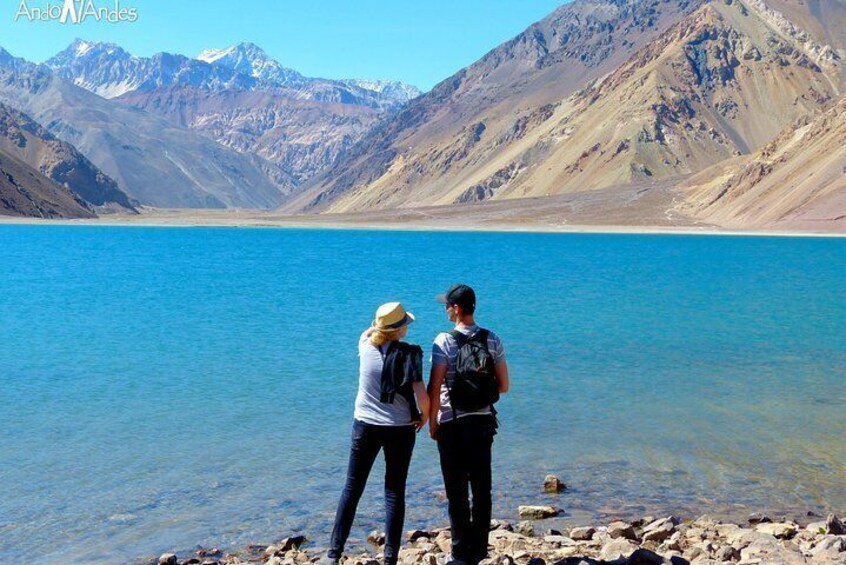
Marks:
<point>250,59</point>
<point>81,47</point>
<point>212,55</point>
<point>392,89</point>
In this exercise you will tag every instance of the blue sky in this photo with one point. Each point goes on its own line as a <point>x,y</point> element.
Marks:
<point>417,42</point>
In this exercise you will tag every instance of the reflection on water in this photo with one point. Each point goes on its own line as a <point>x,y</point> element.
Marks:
<point>161,388</point>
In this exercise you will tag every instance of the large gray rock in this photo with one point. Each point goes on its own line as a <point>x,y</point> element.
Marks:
<point>830,546</point>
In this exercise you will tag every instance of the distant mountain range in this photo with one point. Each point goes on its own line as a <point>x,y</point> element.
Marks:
<point>738,104</point>
<point>232,128</point>
<point>606,93</point>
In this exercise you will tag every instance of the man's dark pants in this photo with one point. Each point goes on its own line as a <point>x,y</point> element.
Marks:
<point>465,445</point>
<point>367,440</point>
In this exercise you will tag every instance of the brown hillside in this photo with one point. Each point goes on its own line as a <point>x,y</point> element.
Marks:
<point>698,84</point>
<point>796,182</point>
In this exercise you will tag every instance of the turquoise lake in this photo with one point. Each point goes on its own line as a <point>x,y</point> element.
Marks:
<point>162,388</point>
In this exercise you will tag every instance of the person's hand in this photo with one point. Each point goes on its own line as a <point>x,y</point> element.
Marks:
<point>421,423</point>
<point>433,430</point>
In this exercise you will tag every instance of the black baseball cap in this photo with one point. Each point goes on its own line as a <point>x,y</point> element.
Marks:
<point>459,294</point>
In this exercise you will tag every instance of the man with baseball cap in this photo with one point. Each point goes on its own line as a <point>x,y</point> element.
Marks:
<point>464,430</point>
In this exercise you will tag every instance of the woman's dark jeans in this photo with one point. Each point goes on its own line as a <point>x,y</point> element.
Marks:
<point>367,440</point>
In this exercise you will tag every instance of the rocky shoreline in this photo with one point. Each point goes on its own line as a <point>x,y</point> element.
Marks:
<point>647,541</point>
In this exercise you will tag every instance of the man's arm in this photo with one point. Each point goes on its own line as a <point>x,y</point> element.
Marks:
<point>436,379</point>
<point>502,380</point>
<point>422,403</point>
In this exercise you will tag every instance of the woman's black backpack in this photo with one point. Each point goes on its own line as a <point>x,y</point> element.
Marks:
<point>473,386</point>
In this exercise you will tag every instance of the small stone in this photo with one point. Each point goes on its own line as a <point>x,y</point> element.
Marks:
<point>291,542</point>
<point>444,543</point>
<point>758,518</point>
<point>621,530</point>
<point>168,559</point>
<point>583,533</point>
<point>552,484</point>
<point>764,547</point>
<point>525,528</point>
<point>501,525</point>
<point>674,543</point>
<point>617,549</point>
<point>376,538</point>
<point>271,550</point>
<point>834,526</point>
<point>498,560</point>
<point>781,531</point>
<point>659,530</point>
<point>552,532</point>
<point>414,535</point>
<point>536,561</point>
<point>642,521</point>
<point>726,553</point>
<point>537,512</point>
<point>558,541</point>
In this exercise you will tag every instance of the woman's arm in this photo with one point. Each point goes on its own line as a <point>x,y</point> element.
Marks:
<point>436,379</point>
<point>422,403</point>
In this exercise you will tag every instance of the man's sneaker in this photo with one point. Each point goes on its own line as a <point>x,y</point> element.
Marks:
<point>326,560</point>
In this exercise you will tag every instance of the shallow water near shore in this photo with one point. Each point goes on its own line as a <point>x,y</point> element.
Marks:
<point>162,388</point>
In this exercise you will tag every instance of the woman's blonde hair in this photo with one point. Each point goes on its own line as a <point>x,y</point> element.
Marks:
<point>381,337</point>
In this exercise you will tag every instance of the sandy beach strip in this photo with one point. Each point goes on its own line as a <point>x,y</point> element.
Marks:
<point>634,209</point>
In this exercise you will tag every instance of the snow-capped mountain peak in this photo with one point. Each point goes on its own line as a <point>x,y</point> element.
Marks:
<point>393,89</point>
<point>251,60</point>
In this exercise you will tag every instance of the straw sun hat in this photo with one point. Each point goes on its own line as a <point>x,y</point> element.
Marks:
<point>391,316</point>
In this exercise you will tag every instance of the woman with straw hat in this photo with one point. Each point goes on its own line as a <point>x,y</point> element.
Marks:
<point>390,407</point>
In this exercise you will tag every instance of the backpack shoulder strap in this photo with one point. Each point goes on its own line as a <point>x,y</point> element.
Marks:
<point>482,336</point>
<point>459,337</point>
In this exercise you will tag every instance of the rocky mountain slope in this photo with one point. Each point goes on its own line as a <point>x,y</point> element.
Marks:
<point>601,93</point>
<point>24,138</point>
<point>152,160</point>
<point>241,98</point>
<point>301,136</point>
<point>25,192</point>
<point>796,181</point>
